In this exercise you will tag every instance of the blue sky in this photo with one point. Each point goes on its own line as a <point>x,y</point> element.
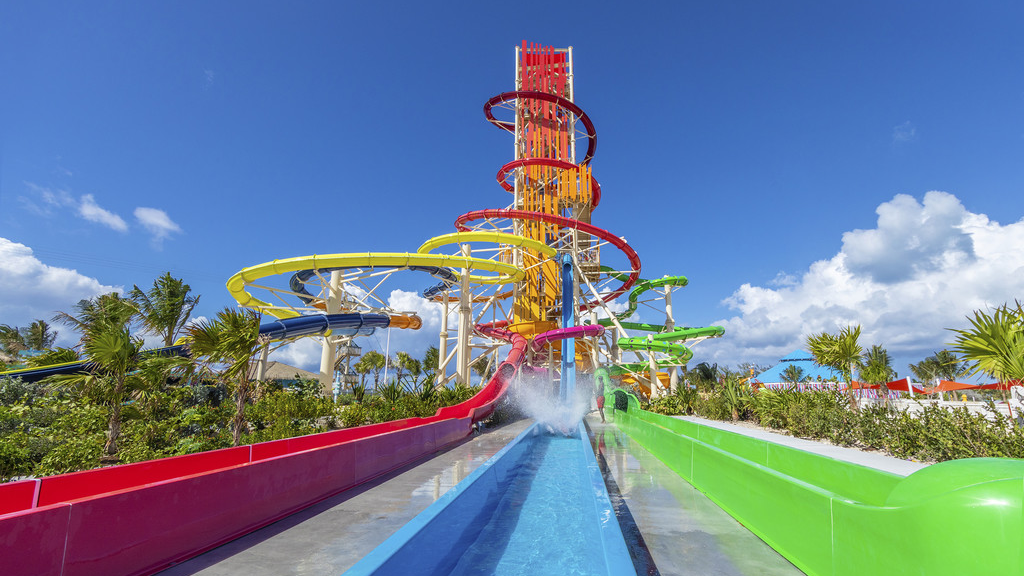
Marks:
<point>805,164</point>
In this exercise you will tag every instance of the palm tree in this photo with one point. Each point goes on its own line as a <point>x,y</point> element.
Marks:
<point>113,354</point>
<point>877,369</point>
<point>372,361</point>
<point>402,362</point>
<point>481,368</point>
<point>841,352</point>
<point>794,374</point>
<point>53,356</point>
<point>926,370</point>
<point>11,340</point>
<point>994,344</point>
<point>105,308</point>
<point>165,309</point>
<point>430,362</point>
<point>705,375</point>
<point>943,364</point>
<point>38,335</point>
<point>232,339</point>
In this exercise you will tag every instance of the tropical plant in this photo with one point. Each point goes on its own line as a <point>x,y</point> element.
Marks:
<point>794,375</point>
<point>735,396</point>
<point>11,340</point>
<point>481,367</point>
<point>876,368</point>
<point>166,307</point>
<point>841,352</point>
<point>231,339</point>
<point>705,375</point>
<point>372,362</point>
<point>994,344</point>
<point>391,391</point>
<point>53,356</point>
<point>113,354</point>
<point>38,335</point>
<point>943,364</point>
<point>402,363</point>
<point>429,364</point>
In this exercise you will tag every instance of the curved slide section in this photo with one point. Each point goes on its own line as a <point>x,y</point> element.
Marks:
<point>584,331</point>
<point>665,342</point>
<point>37,374</point>
<point>298,280</point>
<point>344,324</point>
<point>501,273</point>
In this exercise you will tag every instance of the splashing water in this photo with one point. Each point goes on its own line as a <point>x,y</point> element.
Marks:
<point>535,395</point>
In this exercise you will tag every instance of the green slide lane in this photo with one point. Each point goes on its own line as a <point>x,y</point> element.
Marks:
<point>836,518</point>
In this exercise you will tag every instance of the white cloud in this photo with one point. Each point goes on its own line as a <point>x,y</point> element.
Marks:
<point>91,211</point>
<point>31,290</point>
<point>416,342</point>
<point>905,132</point>
<point>157,223</point>
<point>303,353</point>
<point>922,270</point>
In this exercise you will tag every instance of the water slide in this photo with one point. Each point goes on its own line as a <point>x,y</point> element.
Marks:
<point>37,374</point>
<point>835,517</point>
<point>664,339</point>
<point>294,327</point>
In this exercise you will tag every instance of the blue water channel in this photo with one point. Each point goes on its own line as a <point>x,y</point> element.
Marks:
<point>539,506</point>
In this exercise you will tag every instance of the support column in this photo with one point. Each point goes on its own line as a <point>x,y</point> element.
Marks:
<point>442,349</point>
<point>261,367</point>
<point>327,353</point>
<point>653,369</point>
<point>670,324</point>
<point>465,321</point>
<point>568,382</point>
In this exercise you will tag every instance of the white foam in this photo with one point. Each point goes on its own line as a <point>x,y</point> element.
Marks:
<point>536,396</point>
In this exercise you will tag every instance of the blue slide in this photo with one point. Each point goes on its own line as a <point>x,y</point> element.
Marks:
<point>344,324</point>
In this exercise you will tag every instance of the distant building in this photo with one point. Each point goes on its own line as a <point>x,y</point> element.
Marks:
<point>284,373</point>
<point>818,376</point>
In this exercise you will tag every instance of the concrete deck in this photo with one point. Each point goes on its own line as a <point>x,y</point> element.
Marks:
<point>870,459</point>
<point>670,527</point>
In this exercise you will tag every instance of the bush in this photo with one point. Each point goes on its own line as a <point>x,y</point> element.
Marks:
<point>936,433</point>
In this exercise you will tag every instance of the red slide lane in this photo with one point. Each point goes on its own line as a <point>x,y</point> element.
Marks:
<point>137,519</point>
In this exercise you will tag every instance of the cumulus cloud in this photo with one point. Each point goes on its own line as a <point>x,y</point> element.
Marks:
<point>31,290</point>
<point>911,239</point>
<point>921,270</point>
<point>91,211</point>
<point>157,223</point>
<point>303,353</point>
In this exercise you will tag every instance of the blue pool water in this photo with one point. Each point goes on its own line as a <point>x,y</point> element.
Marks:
<point>539,506</point>
<point>539,520</point>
